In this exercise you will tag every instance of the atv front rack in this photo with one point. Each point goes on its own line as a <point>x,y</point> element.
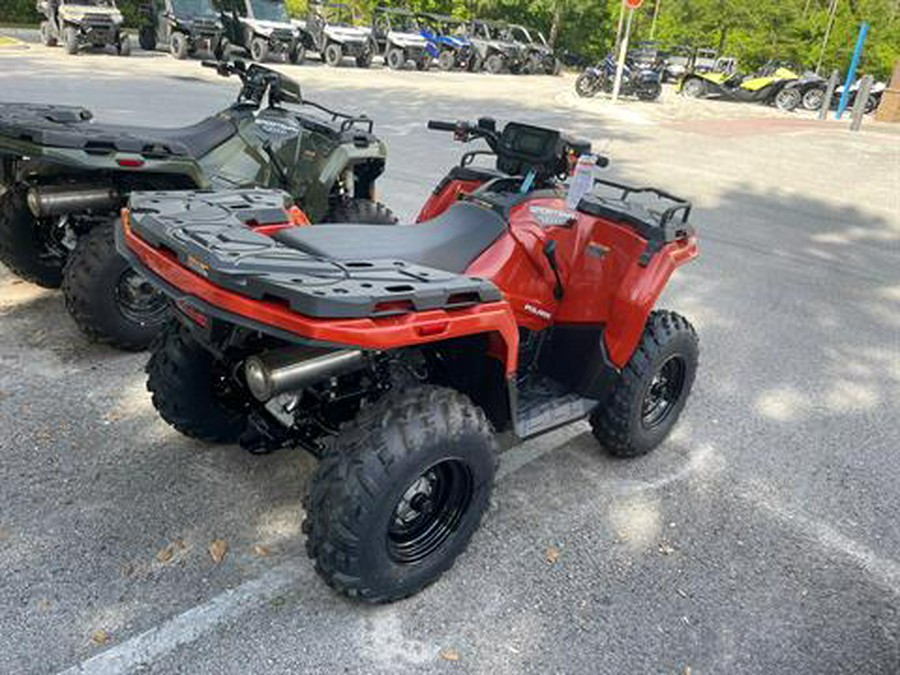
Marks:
<point>224,238</point>
<point>655,224</point>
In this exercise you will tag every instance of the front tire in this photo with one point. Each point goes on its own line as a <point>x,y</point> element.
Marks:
<point>812,100</point>
<point>178,45</point>
<point>400,494</point>
<point>494,64</point>
<point>71,40</point>
<point>788,100</point>
<point>297,55</point>
<point>190,391</point>
<point>23,248</point>
<point>259,49</point>
<point>111,303</point>
<point>586,85</point>
<point>123,48</point>
<point>361,211</point>
<point>651,391</point>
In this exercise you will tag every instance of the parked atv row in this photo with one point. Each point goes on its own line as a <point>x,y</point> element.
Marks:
<point>262,29</point>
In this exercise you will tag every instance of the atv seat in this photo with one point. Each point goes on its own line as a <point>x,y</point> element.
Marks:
<point>196,140</point>
<point>70,127</point>
<point>450,242</point>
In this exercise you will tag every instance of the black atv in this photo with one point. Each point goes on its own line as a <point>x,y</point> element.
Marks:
<point>329,30</point>
<point>184,27</point>
<point>260,28</point>
<point>64,178</point>
<point>494,51</point>
<point>83,23</point>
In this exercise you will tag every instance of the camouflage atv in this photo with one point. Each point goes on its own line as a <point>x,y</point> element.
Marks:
<point>80,23</point>
<point>63,180</point>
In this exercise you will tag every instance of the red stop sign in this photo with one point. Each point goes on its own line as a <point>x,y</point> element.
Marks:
<point>634,4</point>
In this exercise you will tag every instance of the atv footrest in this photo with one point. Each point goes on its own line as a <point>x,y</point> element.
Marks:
<point>545,405</point>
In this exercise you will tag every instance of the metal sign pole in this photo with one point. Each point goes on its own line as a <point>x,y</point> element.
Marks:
<point>623,51</point>
<point>655,17</point>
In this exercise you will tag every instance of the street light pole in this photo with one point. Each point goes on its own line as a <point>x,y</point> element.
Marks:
<point>623,50</point>
<point>655,15</point>
<point>833,12</point>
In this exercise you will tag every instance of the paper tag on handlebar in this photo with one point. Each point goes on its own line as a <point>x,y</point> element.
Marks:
<point>582,180</point>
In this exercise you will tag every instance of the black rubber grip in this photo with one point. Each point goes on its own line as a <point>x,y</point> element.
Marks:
<point>441,126</point>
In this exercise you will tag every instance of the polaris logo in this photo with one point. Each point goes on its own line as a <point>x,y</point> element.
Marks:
<point>542,313</point>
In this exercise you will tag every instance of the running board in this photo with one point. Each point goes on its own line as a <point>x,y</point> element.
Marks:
<point>546,406</point>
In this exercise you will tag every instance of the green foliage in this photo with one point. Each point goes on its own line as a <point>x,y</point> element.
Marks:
<point>752,30</point>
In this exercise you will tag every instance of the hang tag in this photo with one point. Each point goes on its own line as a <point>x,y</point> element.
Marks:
<point>582,180</point>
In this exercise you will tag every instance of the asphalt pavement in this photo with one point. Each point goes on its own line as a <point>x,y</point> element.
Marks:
<point>763,537</point>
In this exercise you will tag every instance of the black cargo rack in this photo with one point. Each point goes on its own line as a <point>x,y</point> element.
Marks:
<point>659,225</point>
<point>211,233</point>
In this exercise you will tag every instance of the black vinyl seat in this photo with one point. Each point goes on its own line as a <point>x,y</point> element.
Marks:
<point>450,242</point>
<point>197,139</point>
<point>72,127</point>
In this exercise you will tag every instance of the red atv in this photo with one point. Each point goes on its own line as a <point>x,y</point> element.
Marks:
<point>396,355</point>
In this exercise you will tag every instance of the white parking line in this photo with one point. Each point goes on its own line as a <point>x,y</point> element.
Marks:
<point>191,625</point>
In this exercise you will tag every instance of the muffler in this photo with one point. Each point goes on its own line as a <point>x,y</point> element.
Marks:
<point>294,368</point>
<point>58,200</point>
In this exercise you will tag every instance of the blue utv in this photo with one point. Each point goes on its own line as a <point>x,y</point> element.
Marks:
<point>448,43</point>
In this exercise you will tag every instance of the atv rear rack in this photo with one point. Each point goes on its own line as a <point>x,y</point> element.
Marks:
<point>223,237</point>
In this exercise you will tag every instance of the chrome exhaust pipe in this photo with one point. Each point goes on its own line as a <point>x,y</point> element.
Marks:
<point>294,368</point>
<point>58,200</point>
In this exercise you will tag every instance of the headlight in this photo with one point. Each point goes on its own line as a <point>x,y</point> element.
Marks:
<point>116,17</point>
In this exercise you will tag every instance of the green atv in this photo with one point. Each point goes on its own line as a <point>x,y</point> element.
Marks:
<point>64,179</point>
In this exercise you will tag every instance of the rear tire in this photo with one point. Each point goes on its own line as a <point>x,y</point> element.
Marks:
<point>646,401</point>
<point>447,60</point>
<point>298,55</point>
<point>178,45</point>
<point>124,46</point>
<point>494,64</point>
<point>111,303</point>
<point>396,59</point>
<point>70,35</point>
<point>400,494</point>
<point>423,63</point>
<point>147,39</point>
<point>364,60</point>
<point>22,248</point>
<point>47,37</point>
<point>360,211</point>
<point>259,49</point>
<point>186,386</point>
<point>334,54</point>
<point>694,87</point>
<point>649,92</point>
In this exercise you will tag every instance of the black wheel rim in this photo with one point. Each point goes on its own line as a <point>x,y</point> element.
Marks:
<point>663,392</point>
<point>138,301</point>
<point>430,511</point>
